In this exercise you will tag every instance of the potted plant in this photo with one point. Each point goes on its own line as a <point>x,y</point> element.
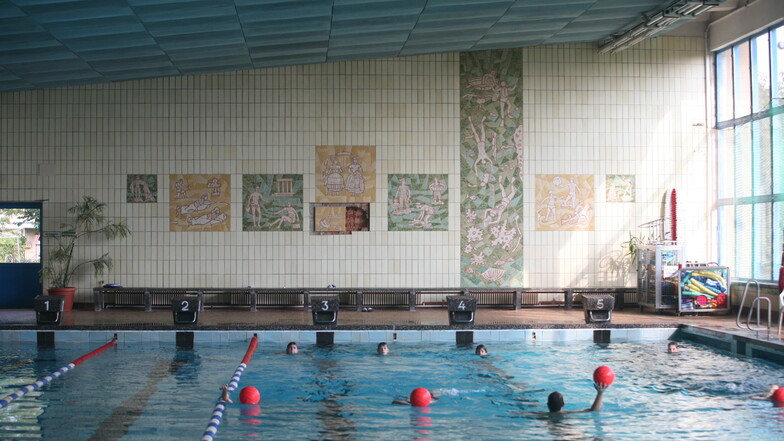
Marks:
<point>59,267</point>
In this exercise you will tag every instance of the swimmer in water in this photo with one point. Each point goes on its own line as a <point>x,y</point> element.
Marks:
<point>481,350</point>
<point>555,401</point>
<point>672,347</point>
<point>382,349</point>
<point>292,348</point>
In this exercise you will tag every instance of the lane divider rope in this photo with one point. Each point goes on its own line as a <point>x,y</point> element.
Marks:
<point>56,374</point>
<point>217,414</point>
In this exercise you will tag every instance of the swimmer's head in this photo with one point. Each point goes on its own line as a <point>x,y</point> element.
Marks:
<point>291,348</point>
<point>481,350</point>
<point>383,348</point>
<point>555,402</point>
<point>672,347</point>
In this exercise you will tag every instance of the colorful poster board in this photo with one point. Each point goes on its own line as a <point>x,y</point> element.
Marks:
<point>331,218</point>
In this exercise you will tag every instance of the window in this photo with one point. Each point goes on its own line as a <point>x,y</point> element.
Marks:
<point>750,147</point>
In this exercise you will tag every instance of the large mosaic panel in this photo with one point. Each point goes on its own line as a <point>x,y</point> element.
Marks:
<point>491,168</point>
<point>272,203</point>
<point>418,202</point>
<point>200,202</point>
<point>564,203</point>
<point>345,173</point>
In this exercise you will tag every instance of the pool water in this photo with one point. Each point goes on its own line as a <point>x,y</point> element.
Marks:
<point>159,392</point>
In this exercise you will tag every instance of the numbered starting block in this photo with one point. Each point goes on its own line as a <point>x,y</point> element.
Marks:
<point>325,310</point>
<point>48,309</point>
<point>186,310</point>
<point>598,307</point>
<point>461,309</point>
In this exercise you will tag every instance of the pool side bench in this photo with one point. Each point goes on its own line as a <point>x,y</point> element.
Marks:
<point>352,298</point>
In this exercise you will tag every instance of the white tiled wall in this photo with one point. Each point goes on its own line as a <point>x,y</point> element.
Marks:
<point>640,112</point>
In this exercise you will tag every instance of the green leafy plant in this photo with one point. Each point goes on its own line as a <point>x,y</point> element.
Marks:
<point>88,219</point>
<point>632,247</point>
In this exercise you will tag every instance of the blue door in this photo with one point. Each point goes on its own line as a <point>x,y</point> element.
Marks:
<point>20,254</point>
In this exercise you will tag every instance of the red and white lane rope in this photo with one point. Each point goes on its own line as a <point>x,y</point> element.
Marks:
<point>49,378</point>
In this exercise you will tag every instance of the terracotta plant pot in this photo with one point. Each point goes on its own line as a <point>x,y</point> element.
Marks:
<point>67,292</point>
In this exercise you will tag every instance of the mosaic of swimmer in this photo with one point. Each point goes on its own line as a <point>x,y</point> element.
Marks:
<point>491,168</point>
<point>200,202</point>
<point>140,189</point>
<point>564,203</point>
<point>272,203</point>
<point>418,202</point>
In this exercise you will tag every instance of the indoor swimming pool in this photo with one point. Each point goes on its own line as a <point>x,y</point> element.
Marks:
<point>344,392</point>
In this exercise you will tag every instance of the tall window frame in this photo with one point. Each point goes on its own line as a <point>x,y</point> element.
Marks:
<point>750,154</point>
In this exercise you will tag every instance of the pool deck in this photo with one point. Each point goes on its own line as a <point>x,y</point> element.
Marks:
<point>422,318</point>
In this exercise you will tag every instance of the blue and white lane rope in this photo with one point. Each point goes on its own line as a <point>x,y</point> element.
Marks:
<point>217,414</point>
<point>35,386</point>
<point>49,378</point>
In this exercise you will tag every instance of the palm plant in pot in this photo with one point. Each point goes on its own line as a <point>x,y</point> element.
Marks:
<point>59,267</point>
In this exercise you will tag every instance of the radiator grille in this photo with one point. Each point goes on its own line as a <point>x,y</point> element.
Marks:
<point>124,298</point>
<point>272,298</point>
<point>494,298</point>
<point>385,298</point>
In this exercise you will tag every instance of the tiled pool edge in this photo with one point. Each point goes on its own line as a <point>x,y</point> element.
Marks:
<point>530,336</point>
<point>734,342</point>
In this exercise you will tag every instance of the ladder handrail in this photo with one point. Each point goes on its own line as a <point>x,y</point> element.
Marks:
<point>743,301</point>
<point>756,302</point>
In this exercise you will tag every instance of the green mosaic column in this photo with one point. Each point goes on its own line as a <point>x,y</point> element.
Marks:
<point>491,168</point>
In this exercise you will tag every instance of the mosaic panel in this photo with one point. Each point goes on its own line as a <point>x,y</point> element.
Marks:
<point>491,168</point>
<point>564,203</point>
<point>200,202</point>
<point>331,218</point>
<point>141,189</point>
<point>345,173</point>
<point>272,203</point>
<point>418,202</point>
<point>620,188</point>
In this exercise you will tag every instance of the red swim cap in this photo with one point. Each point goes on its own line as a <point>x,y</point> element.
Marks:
<point>249,395</point>
<point>604,375</point>
<point>420,397</point>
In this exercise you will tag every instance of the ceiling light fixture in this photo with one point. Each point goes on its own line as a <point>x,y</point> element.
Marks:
<point>656,23</point>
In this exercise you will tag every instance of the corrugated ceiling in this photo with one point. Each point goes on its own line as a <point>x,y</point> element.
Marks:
<point>54,43</point>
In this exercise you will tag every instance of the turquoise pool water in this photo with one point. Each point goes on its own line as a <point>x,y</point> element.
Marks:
<point>157,392</point>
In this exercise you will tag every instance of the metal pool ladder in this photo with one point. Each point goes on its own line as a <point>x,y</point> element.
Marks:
<point>756,302</point>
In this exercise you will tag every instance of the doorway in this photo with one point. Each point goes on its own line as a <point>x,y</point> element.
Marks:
<point>20,254</point>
